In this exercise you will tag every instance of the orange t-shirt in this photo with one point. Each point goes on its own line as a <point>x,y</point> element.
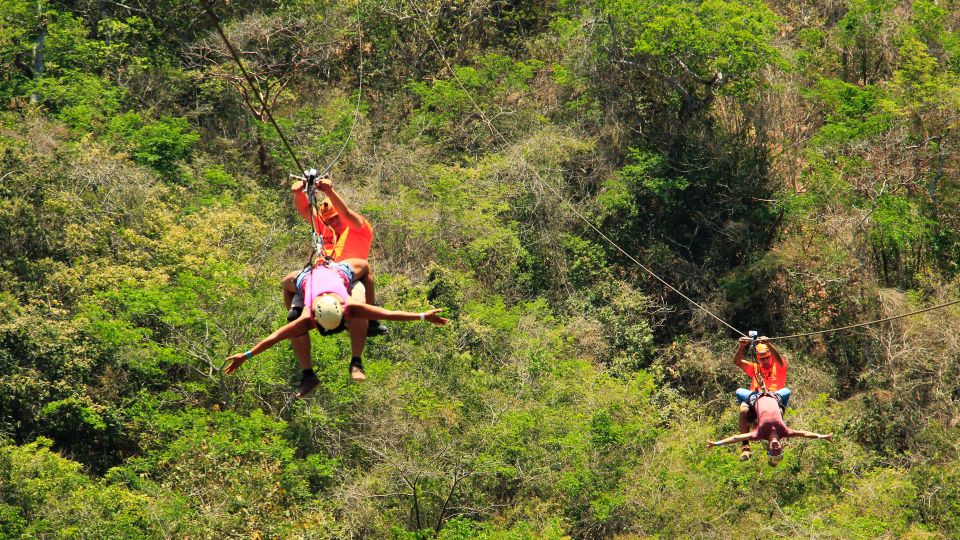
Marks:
<point>347,243</point>
<point>354,243</point>
<point>774,378</point>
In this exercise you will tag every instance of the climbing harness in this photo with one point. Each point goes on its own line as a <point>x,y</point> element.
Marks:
<point>754,398</point>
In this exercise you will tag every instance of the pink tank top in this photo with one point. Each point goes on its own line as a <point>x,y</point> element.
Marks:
<point>321,280</point>
<point>769,418</point>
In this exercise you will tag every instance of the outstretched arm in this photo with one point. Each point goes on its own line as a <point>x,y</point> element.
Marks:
<point>291,329</point>
<point>367,311</point>
<point>352,218</point>
<point>735,439</point>
<point>811,435</point>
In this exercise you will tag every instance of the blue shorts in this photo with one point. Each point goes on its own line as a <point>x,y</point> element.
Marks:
<point>744,396</point>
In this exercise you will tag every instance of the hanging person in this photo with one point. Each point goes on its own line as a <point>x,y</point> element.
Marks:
<point>347,237</point>
<point>770,428</point>
<point>768,373</point>
<point>330,307</point>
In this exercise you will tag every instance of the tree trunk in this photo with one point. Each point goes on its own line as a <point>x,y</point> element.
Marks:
<point>38,49</point>
<point>844,62</point>
<point>263,157</point>
<point>883,261</point>
<point>416,507</point>
<point>862,43</point>
<point>104,15</point>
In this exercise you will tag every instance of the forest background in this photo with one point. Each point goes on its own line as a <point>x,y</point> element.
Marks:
<point>791,164</point>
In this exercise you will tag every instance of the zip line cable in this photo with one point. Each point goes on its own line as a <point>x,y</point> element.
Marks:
<point>253,86</point>
<point>631,257</point>
<point>317,238</point>
<point>868,323</point>
<point>263,103</point>
<point>493,129</point>
<point>555,191</point>
<point>616,246</point>
<point>356,112</point>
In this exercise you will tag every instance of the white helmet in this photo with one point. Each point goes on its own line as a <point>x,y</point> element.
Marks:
<point>328,312</point>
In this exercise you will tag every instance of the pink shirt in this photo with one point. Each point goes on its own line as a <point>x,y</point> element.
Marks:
<point>322,280</point>
<point>769,419</point>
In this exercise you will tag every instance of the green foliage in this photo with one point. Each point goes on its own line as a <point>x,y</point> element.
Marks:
<point>158,144</point>
<point>239,469</point>
<point>855,113</point>
<point>319,131</point>
<point>48,495</point>
<point>18,20</point>
<point>940,511</point>
<point>469,109</point>
<point>898,224</point>
<point>879,504</point>
<point>466,529</point>
<point>83,101</point>
<point>776,162</point>
<point>717,36</point>
<point>640,173</point>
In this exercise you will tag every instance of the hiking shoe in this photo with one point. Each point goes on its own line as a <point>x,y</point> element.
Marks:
<point>356,371</point>
<point>376,328</point>
<point>745,453</point>
<point>307,384</point>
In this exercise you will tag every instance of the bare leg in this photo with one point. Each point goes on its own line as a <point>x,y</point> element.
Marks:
<point>358,336</point>
<point>300,344</point>
<point>358,339</point>
<point>301,350</point>
<point>367,281</point>
<point>744,421</point>
<point>363,274</point>
<point>290,287</point>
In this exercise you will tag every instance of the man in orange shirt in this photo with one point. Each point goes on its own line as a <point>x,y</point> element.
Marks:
<point>770,369</point>
<point>347,237</point>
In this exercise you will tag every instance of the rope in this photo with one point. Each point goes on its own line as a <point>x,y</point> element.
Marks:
<point>317,238</point>
<point>556,192</point>
<point>253,86</point>
<point>356,112</point>
<point>868,323</point>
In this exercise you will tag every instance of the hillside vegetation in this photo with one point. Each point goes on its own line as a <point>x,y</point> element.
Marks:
<point>793,166</point>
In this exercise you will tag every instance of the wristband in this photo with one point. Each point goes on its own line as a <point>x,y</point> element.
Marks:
<point>248,354</point>
<point>423,316</point>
